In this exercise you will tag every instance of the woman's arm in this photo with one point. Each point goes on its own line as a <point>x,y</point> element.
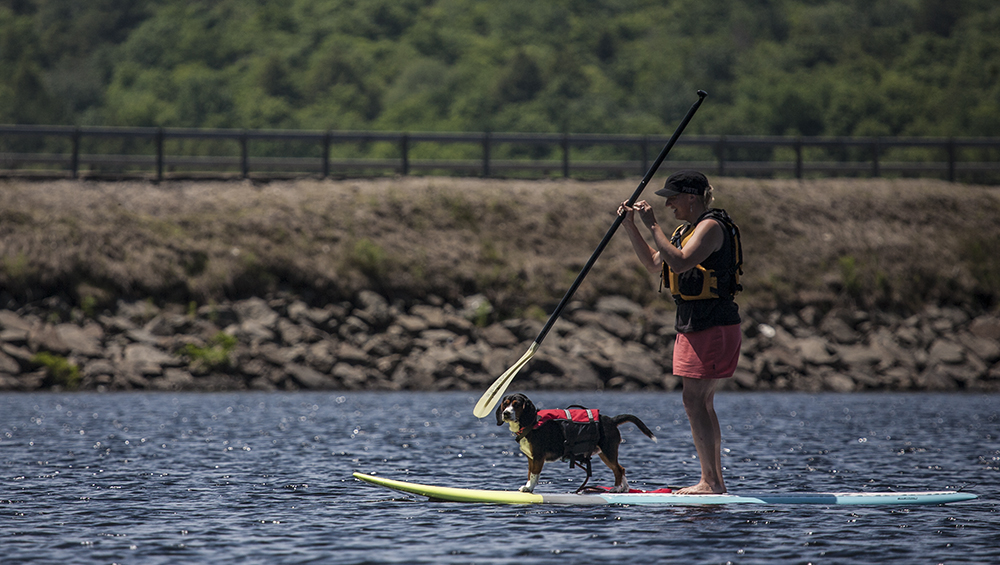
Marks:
<point>706,239</point>
<point>649,257</point>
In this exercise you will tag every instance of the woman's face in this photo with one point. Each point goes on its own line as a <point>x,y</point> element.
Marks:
<point>682,205</point>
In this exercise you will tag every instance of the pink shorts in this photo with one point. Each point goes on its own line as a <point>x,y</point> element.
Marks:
<point>708,354</point>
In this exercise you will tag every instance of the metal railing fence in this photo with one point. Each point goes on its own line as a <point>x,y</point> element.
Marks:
<point>162,153</point>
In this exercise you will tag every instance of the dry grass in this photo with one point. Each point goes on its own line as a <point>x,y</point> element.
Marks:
<point>881,243</point>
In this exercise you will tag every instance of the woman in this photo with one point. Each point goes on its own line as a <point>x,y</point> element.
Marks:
<point>701,264</point>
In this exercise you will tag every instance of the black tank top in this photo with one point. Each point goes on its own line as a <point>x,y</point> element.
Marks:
<point>698,315</point>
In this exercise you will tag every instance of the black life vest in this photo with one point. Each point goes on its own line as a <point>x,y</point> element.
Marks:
<point>706,281</point>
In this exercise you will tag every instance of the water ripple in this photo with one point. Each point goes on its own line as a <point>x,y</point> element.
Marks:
<point>266,478</point>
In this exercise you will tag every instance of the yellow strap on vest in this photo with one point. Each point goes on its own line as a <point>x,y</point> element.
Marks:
<point>698,278</point>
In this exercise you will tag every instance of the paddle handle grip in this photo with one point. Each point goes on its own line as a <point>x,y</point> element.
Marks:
<point>618,220</point>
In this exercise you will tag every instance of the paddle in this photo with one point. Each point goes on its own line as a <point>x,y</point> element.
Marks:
<point>496,390</point>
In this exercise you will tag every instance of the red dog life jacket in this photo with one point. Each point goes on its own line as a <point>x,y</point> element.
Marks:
<point>584,415</point>
<point>580,429</point>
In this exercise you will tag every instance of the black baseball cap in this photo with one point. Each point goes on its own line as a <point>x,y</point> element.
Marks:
<point>684,182</point>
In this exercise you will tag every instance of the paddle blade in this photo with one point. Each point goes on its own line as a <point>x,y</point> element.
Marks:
<point>499,386</point>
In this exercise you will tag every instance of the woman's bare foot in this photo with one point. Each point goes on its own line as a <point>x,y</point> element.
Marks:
<point>702,488</point>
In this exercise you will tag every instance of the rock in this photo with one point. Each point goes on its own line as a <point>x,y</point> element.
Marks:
<point>947,352</point>
<point>374,309</point>
<point>15,336</point>
<point>147,360</point>
<point>353,328</point>
<point>9,365</point>
<point>219,314</point>
<point>11,321</point>
<point>635,361</point>
<point>173,379</point>
<point>816,351</point>
<point>838,382</point>
<point>498,336</point>
<point>984,327</point>
<point>46,338</point>
<point>168,324</point>
<point>251,331</point>
<point>984,348</point>
<point>525,329</point>
<point>782,361</point>
<point>138,312</point>
<point>81,341</point>
<point>351,354</point>
<point>859,356</point>
<point>140,335</point>
<point>935,379</point>
<point>433,317</point>
<point>276,355</point>
<point>290,332</point>
<point>563,372</point>
<point>745,378</point>
<point>617,305</point>
<point>412,324</point>
<point>22,355</point>
<point>458,324</point>
<point>496,361</point>
<point>320,356</point>
<point>309,378</point>
<point>98,367</point>
<point>298,312</point>
<point>837,329</point>
<point>256,310</point>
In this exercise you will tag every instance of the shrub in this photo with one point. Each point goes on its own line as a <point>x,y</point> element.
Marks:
<point>60,370</point>
<point>212,357</point>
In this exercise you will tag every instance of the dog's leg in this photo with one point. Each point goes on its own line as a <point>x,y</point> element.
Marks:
<point>534,470</point>
<point>621,484</point>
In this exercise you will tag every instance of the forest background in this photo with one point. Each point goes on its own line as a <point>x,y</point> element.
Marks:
<point>781,67</point>
<point>72,249</point>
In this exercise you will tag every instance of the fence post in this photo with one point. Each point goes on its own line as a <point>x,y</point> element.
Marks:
<point>486,154</point>
<point>75,160</point>
<point>326,154</point>
<point>721,154</point>
<point>951,159</point>
<point>876,148</point>
<point>645,154</point>
<point>244,158</point>
<point>404,148</point>
<point>159,154</point>
<point>565,148</point>
<point>798,157</point>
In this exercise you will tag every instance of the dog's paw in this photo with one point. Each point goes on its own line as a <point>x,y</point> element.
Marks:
<point>620,488</point>
<point>525,488</point>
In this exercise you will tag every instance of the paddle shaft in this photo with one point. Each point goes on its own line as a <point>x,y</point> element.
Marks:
<point>618,220</point>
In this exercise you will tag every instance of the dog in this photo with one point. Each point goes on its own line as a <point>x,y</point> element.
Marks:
<point>547,441</point>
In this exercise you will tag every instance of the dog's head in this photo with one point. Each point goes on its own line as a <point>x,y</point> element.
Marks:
<point>517,408</point>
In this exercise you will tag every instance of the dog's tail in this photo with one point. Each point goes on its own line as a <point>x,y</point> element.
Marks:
<point>622,418</point>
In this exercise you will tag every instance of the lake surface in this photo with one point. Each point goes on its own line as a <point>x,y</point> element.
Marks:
<point>266,478</point>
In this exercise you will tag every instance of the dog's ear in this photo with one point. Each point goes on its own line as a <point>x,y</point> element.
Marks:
<point>529,414</point>
<point>500,408</point>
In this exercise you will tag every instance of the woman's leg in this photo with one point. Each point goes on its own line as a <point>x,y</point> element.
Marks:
<point>699,396</point>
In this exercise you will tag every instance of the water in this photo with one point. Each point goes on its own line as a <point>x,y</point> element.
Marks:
<point>266,478</point>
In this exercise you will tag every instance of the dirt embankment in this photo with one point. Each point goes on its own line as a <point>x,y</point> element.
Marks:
<point>854,250</point>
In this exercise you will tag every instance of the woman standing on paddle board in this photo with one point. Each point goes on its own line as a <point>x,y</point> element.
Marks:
<point>701,264</point>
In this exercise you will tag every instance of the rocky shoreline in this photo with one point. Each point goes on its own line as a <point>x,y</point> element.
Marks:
<point>283,343</point>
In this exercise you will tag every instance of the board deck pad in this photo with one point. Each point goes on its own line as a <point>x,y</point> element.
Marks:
<point>452,494</point>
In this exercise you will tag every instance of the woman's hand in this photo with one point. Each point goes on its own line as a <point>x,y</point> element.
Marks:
<point>645,213</point>
<point>629,212</point>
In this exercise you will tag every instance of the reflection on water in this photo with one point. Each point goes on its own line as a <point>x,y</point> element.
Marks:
<point>266,478</point>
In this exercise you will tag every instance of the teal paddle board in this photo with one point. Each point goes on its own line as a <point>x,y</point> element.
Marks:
<point>451,494</point>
